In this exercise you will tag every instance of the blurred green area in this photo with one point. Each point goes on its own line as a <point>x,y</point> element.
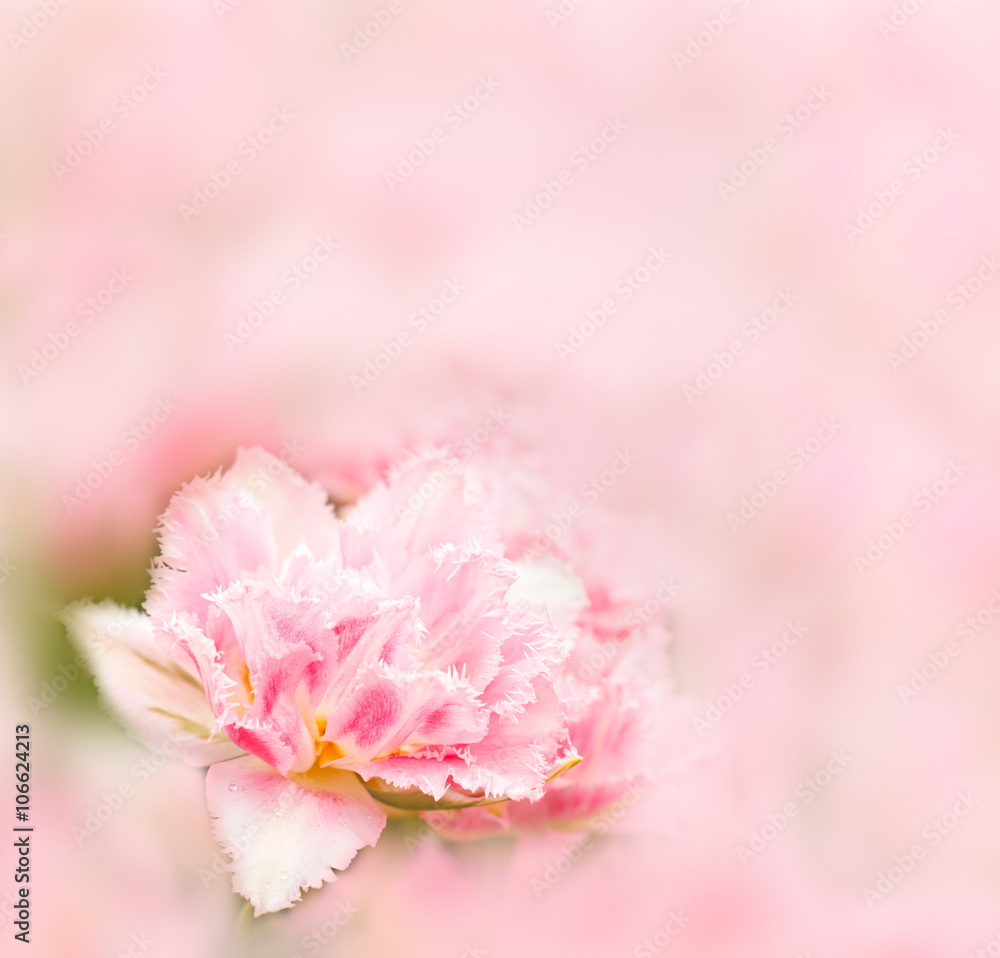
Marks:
<point>43,655</point>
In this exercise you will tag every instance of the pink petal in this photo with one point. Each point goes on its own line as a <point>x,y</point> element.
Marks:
<point>278,635</point>
<point>226,697</point>
<point>432,775</point>
<point>280,745</point>
<point>610,730</point>
<point>609,727</point>
<point>223,528</point>
<point>512,760</point>
<point>283,834</point>
<point>366,632</point>
<point>532,650</point>
<point>390,708</point>
<point>573,804</point>
<point>428,500</point>
<point>151,695</point>
<point>462,607</point>
<point>471,824</point>
<point>521,748</point>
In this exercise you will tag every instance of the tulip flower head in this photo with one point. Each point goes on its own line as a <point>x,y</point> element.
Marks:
<point>326,666</point>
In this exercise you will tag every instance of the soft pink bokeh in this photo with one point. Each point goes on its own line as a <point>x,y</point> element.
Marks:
<point>885,94</point>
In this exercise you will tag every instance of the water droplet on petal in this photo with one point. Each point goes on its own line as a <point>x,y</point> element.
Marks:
<point>284,876</point>
<point>246,824</point>
<point>233,786</point>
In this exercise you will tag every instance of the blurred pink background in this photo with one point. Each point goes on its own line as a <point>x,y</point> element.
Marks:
<point>752,244</point>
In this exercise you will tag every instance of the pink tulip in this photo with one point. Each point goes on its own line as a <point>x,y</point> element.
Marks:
<point>624,717</point>
<point>326,665</point>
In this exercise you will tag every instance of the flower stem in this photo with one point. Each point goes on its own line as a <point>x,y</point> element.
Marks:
<point>238,939</point>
